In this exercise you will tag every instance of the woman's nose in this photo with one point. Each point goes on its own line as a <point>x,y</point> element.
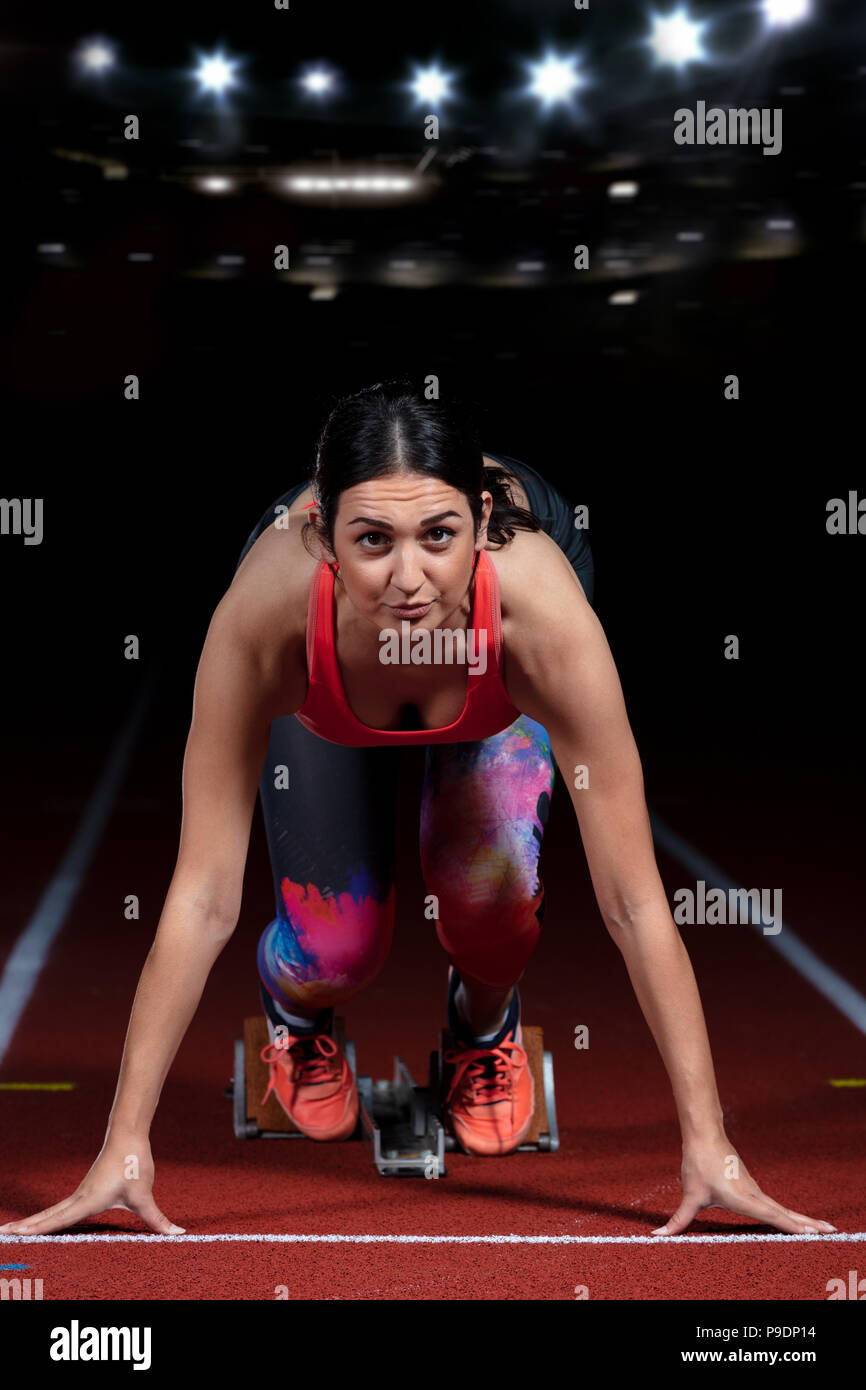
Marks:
<point>407,574</point>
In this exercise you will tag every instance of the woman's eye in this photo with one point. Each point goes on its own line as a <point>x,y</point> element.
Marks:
<point>441,531</point>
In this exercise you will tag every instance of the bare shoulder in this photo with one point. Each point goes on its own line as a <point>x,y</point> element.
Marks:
<point>265,607</point>
<point>535,577</point>
<point>547,620</point>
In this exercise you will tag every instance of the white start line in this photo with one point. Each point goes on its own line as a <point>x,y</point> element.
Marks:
<point>288,1239</point>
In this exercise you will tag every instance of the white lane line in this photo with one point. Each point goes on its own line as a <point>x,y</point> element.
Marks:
<point>431,1240</point>
<point>848,1000</point>
<point>32,947</point>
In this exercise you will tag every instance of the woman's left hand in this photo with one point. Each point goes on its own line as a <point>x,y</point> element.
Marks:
<point>714,1175</point>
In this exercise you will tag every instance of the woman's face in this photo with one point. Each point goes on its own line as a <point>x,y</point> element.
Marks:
<point>406,545</point>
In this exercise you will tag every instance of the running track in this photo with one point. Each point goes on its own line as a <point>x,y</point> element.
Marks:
<point>527,1226</point>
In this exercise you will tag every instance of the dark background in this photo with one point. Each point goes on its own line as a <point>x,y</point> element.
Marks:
<point>707,517</point>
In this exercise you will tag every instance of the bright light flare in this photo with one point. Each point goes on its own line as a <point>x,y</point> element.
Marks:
<point>786,11</point>
<point>96,55</point>
<point>554,79</point>
<point>431,85</point>
<point>354,183</point>
<point>216,73</point>
<point>676,39</point>
<point>319,82</point>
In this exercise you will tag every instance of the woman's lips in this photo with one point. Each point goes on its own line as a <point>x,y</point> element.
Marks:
<point>417,611</point>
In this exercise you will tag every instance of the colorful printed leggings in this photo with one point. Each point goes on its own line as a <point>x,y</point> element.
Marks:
<point>331,838</point>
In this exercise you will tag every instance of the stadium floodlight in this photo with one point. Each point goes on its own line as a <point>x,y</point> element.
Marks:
<point>216,73</point>
<point>676,39</point>
<point>786,11</point>
<point>350,183</point>
<point>554,79</point>
<point>623,188</point>
<point>430,85</point>
<point>95,55</point>
<point>319,81</point>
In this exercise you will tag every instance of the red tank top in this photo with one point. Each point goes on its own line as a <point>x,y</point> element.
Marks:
<point>326,712</point>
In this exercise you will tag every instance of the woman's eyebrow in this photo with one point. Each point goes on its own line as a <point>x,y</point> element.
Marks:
<point>386,525</point>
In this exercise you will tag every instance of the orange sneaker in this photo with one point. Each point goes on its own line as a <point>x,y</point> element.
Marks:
<point>313,1083</point>
<point>491,1099</point>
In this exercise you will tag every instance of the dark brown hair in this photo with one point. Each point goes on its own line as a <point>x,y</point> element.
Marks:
<point>392,427</point>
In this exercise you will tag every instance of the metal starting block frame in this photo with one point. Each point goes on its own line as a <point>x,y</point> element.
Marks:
<point>404,1124</point>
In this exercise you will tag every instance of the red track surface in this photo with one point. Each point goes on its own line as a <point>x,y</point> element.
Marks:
<point>776,1045</point>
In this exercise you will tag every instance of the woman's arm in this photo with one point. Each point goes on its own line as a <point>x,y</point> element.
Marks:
<point>238,690</point>
<point>560,671</point>
<point>225,753</point>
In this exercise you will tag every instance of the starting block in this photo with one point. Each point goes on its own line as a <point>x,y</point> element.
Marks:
<point>252,1120</point>
<point>402,1124</point>
<point>405,1125</point>
<point>543,1133</point>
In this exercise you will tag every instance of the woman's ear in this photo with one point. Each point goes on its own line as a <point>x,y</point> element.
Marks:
<point>321,536</point>
<point>486,509</point>
<point>317,535</point>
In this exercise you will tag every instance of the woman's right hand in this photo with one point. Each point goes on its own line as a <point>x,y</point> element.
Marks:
<point>122,1176</point>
